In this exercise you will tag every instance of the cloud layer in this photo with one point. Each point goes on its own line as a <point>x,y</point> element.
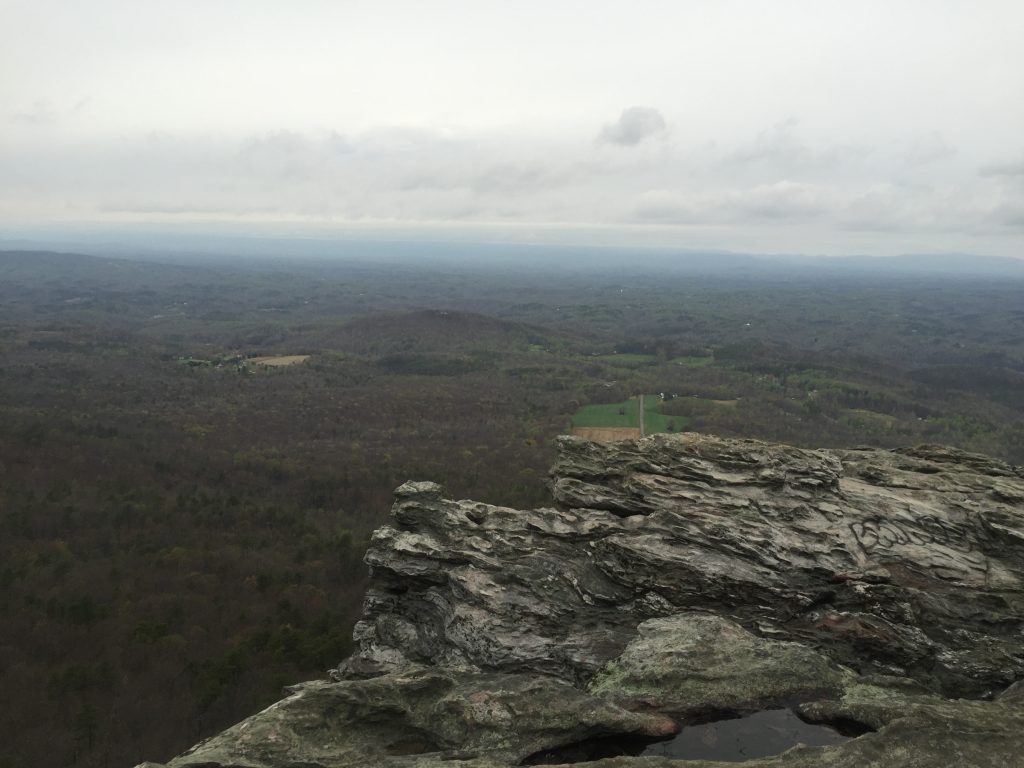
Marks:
<point>796,127</point>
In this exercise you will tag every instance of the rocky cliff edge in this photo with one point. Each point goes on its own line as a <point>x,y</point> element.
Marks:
<point>680,580</point>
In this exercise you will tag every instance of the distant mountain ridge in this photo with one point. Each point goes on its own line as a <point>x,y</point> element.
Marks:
<point>292,252</point>
<point>931,263</point>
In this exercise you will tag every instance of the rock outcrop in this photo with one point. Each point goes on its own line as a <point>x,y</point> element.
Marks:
<point>681,578</point>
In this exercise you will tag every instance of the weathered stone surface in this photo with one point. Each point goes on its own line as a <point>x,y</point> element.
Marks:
<point>693,664</point>
<point>682,575</point>
<point>453,714</point>
<point>904,562</point>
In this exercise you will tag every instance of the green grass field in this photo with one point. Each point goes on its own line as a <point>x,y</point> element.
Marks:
<point>655,421</point>
<point>626,414</point>
<point>693,362</point>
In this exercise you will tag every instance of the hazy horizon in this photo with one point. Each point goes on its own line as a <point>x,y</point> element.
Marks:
<point>419,250</point>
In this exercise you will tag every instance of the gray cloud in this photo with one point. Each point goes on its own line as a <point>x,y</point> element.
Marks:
<point>929,148</point>
<point>1012,168</point>
<point>779,202</point>
<point>401,177</point>
<point>1010,215</point>
<point>634,125</point>
<point>781,151</point>
<point>783,200</point>
<point>884,134</point>
<point>777,142</point>
<point>41,113</point>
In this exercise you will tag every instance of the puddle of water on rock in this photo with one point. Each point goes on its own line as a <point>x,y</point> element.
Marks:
<point>761,734</point>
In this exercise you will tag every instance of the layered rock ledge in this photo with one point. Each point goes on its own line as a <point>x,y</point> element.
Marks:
<point>681,578</point>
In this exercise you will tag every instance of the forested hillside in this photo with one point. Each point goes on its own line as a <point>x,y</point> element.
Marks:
<point>181,527</point>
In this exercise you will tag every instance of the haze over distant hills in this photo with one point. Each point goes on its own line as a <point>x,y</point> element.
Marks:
<point>219,249</point>
<point>965,264</point>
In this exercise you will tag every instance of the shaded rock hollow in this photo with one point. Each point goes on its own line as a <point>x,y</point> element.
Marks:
<point>679,576</point>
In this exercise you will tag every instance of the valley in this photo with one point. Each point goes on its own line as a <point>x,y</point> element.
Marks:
<point>182,533</point>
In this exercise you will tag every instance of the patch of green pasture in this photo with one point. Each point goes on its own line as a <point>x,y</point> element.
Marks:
<point>624,414</point>
<point>655,421</point>
<point>626,360</point>
<point>693,362</point>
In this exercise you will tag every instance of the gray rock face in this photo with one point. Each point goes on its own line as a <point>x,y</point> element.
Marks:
<point>904,563</point>
<point>681,576</point>
<point>690,664</point>
<point>453,715</point>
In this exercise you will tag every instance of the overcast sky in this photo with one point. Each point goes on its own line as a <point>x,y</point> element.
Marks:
<point>801,127</point>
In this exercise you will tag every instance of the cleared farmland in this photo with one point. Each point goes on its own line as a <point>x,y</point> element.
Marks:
<point>622,420</point>
<point>279,360</point>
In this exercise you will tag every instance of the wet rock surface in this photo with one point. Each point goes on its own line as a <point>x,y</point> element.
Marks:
<point>679,578</point>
